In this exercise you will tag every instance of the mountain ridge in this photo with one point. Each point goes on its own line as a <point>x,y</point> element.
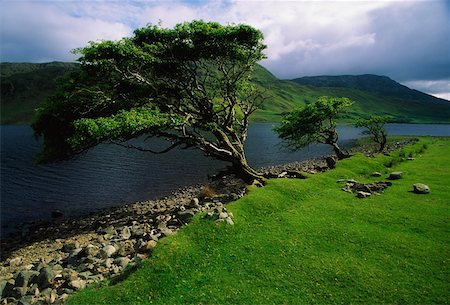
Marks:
<point>24,86</point>
<point>378,84</point>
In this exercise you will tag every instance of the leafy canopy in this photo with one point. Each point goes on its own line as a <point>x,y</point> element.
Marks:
<point>375,128</point>
<point>178,84</point>
<point>313,123</point>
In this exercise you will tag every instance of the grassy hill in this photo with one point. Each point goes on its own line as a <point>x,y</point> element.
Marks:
<point>307,242</point>
<point>24,86</point>
<point>372,95</point>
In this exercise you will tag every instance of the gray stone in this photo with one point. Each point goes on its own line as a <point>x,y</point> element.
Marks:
<point>420,188</point>
<point>24,277</point>
<point>77,284</point>
<point>362,194</point>
<point>91,250</point>
<point>108,251</point>
<point>45,278</point>
<point>223,215</point>
<point>395,175</point>
<point>26,300</point>
<point>122,261</point>
<point>126,248</point>
<point>331,162</point>
<point>195,202</point>
<point>229,221</point>
<point>125,233</point>
<point>411,159</point>
<point>16,261</point>
<point>376,174</point>
<point>186,216</point>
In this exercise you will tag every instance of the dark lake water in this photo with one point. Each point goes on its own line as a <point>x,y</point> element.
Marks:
<point>109,175</point>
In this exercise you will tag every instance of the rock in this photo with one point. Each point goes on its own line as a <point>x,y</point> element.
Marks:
<point>186,216</point>
<point>376,174</point>
<point>229,221</point>
<point>223,215</point>
<point>91,250</point>
<point>24,277</point>
<point>77,284</point>
<point>296,174</point>
<point>25,300</point>
<point>122,261</point>
<point>17,261</point>
<point>362,194</point>
<point>420,188</point>
<point>150,245</point>
<point>126,248</point>
<point>46,277</point>
<point>69,247</point>
<point>282,175</point>
<point>195,203</point>
<point>411,159</point>
<point>125,233</point>
<point>165,230</point>
<point>331,162</point>
<point>395,175</point>
<point>108,251</point>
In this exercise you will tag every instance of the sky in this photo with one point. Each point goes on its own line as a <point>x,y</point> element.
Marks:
<point>408,41</point>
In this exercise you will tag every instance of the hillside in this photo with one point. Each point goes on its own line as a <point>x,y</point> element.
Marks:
<point>24,86</point>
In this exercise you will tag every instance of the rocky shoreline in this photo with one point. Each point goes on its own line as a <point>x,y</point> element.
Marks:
<point>47,261</point>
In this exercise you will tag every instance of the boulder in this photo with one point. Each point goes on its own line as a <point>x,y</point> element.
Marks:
<point>331,162</point>
<point>420,188</point>
<point>122,261</point>
<point>376,174</point>
<point>24,277</point>
<point>77,284</point>
<point>125,233</point>
<point>108,251</point>
<point>46,277</point>
<point>362,194</point>
<point>395,175</point>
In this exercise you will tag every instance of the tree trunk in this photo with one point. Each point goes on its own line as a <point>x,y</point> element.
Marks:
<point>339,153</point>
<point>382,143</point>
<point>241,168</point>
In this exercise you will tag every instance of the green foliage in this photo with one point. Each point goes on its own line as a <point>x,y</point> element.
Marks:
<point>304,241</point>
<point>123,125</point>
<point>375,128</point>
<point>198,71</point>
<point>313,123</point>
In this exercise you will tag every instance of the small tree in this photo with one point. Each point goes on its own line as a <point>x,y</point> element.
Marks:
<point>314,123</point>
<point>189,85</point>
<point>375,128</point>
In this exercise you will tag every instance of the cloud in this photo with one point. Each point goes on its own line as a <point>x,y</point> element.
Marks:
<point>406,40</point>
<point>439,88</point>
<point>40,32</point>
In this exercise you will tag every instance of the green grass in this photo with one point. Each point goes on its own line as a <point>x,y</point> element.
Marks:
<point>306,241</point>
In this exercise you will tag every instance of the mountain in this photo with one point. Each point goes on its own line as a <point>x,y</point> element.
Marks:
<point>372,94</point>
<point>24,87</point>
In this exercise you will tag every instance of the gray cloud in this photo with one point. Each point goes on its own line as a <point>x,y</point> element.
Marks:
<point>406,40</point>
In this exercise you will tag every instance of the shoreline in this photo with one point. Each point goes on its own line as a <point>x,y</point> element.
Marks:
<point>84,250</point>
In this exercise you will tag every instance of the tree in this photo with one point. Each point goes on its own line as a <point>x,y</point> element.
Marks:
<point>375,127</point>
<point>314,123</point>
<point>189,85</point>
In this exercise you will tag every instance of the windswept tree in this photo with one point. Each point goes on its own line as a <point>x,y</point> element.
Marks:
<point>189,85</point>
<point>375,128</point>
<point>314,123</point>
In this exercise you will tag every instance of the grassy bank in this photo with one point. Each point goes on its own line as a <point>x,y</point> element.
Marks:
<point>306,241</point>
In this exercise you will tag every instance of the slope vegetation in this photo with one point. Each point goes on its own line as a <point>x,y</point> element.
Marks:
<point>24,87</point>
<point>308,242</point>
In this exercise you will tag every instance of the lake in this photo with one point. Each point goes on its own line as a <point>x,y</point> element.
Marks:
<point>110,175</point>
